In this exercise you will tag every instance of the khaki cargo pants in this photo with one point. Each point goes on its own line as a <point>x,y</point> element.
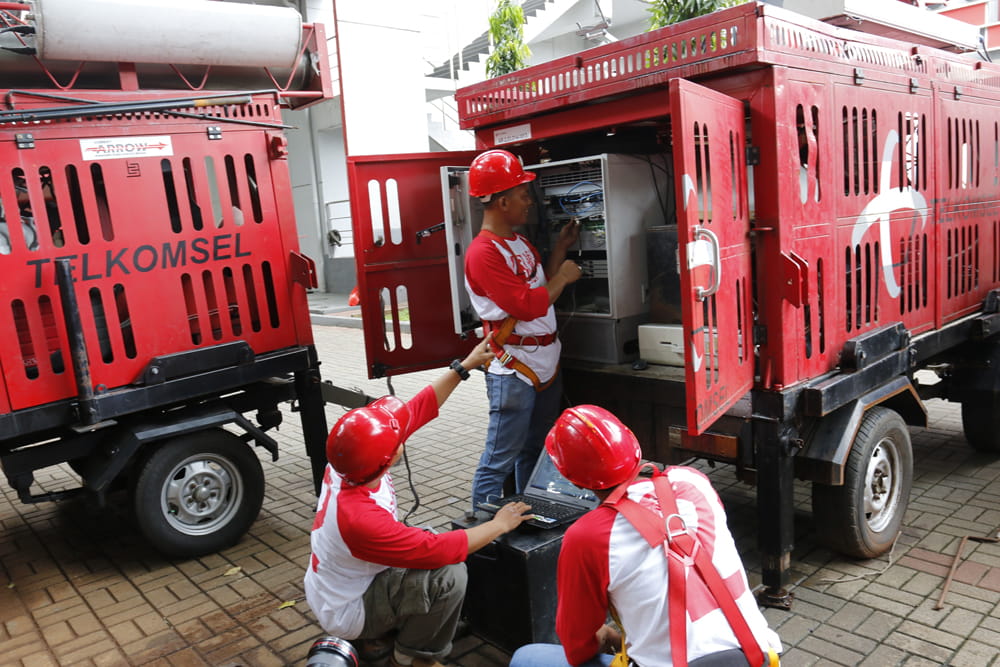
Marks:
<point>423,606</point>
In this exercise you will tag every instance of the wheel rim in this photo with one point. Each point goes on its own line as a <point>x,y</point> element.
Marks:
<point>202,493</point>
<point>882,482</point>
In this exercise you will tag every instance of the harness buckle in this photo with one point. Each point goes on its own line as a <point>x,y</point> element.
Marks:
<point>675,532</point>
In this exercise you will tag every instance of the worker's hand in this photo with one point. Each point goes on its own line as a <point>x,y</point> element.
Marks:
<point>569,271</point>
<point>480,355</point>
<point>568,235</point>
<point>512,515</point>
<point>609,638</point>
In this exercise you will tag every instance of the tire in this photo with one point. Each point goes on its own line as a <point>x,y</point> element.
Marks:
<point>198,493</point>
<point>981,421</point>
<point>863,517</point>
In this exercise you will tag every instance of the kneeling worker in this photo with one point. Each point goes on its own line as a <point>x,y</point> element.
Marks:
<point>369,574</point>
<point>675,584</point>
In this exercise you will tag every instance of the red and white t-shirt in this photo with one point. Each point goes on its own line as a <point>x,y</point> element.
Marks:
<point>603,558</point>
<point>356,535</point>
<point>505,276</point>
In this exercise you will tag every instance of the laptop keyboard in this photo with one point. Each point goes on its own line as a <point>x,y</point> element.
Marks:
<point>544,510</point>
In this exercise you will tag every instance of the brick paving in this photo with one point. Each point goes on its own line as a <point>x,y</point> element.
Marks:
<point>78,586</point>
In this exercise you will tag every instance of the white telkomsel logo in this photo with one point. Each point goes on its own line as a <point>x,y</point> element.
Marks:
<point>889,200</point>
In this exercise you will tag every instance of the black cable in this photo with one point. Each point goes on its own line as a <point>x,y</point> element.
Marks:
<point>406,462</point>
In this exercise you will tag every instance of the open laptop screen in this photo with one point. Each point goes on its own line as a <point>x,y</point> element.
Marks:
<point>546,478</point>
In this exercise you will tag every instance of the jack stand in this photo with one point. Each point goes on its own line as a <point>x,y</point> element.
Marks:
<point>772,598</point>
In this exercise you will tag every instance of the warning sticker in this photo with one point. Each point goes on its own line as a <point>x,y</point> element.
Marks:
<point>123,147</point>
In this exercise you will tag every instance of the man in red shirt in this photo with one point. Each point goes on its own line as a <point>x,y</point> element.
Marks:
<point>369,574</point>
<point>607,563</point>
<point>513,295</point>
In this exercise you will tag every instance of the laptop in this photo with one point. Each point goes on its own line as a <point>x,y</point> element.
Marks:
<point>554,500</point>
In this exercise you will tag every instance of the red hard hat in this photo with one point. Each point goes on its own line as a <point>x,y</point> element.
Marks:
<point>362,442</point>
<point>496,171</point>
<point>592,448</point>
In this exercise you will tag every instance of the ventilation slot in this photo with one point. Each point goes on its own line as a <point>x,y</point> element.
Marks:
<point>963,261</point>
<point>861,284</point>
<point>860,148</point>
<point>963,153</point>
<point>912,273</point>
<point>41,352</point>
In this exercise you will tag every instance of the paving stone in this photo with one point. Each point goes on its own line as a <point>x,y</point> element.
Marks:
<point>882,656</point>
<point>850,616</point>
<point>974,654</point>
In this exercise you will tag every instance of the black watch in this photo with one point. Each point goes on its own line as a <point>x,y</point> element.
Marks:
<point>460,369</point>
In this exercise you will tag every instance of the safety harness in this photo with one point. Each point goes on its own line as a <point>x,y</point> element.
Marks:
<point>682,551</point>
<point>501,332</point>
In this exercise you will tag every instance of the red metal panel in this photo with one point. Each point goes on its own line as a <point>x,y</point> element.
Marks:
<point>709,160</point>
<point>968,249</point>
<point>176,242</point>
<point>392,198</point>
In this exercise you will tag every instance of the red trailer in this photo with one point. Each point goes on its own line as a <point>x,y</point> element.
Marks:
<point>153,293</point>
<point>790,219</point>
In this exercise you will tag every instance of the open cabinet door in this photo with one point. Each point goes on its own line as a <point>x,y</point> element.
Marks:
<point>713,232</point>
<point>402,258</point>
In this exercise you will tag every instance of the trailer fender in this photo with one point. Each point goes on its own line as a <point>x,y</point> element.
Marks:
<point>825,451</point>
<point>98,472</point>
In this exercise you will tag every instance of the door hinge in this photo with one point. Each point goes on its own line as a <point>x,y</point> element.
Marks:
<point>753,156</point>
<point>24,140</point>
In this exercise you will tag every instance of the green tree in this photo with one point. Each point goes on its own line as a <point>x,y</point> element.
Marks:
<point>510,53</point>
<point>667,12</point>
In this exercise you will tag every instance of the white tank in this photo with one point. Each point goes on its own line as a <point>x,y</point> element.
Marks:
<point>178,32</point>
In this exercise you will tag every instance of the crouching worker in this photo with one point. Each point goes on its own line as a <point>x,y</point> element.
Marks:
<point>675,584</point>
<point>369,574</point>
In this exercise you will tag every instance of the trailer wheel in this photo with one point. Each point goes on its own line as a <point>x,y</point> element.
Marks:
<point>981,421</point>
<point>863,517</point>
<point>198,493</point>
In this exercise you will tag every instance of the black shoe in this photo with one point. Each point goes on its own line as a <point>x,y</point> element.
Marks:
<point>372,650</point>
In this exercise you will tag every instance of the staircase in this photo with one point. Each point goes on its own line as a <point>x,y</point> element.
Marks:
<point>480,46</point>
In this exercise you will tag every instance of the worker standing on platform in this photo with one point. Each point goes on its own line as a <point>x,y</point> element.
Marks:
<point>513,295</point>
<point>656,554</point>
<point>369,574</point>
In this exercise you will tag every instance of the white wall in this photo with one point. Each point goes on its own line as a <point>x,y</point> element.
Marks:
<point>381,71</point>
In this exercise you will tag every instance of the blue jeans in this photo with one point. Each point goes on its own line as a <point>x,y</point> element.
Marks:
<point>520,418</point>
<point>552,655</point>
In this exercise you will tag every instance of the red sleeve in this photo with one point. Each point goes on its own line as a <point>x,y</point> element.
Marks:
<point>489,275</point>
<point>423,408</point>
<point>374,535</point>
<point>582,582</point>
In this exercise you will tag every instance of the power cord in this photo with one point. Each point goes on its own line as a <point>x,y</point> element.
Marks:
<point>406,462</point>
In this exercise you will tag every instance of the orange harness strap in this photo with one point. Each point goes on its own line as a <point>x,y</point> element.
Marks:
<point>498,336</point>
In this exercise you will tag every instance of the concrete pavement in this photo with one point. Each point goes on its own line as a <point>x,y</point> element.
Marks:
<point>78,586</point>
